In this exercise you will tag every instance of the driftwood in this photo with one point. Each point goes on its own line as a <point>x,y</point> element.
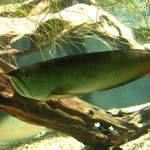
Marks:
<point>89,124</point>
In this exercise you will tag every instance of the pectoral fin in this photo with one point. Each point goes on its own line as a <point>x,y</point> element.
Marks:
<point>67,94</point>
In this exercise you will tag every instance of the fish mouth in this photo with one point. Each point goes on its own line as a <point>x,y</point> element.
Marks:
<point>20,86</point>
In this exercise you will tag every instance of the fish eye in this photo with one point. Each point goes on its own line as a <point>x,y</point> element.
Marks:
<point>26,75</point>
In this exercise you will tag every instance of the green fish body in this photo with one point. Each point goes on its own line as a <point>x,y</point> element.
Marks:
<point>79,75</point>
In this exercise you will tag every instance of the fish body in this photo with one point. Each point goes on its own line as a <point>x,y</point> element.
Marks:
<point>81,74</point>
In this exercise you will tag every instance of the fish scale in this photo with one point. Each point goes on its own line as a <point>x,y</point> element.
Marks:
<point>81,74</point>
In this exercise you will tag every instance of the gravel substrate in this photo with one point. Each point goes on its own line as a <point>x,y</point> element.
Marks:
<point>56,141</point>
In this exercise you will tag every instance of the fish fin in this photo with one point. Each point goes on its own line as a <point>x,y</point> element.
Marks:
<point>68,94</point>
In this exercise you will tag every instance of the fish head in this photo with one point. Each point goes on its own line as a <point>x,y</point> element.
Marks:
<point>31,82</point>
<point>20,79</point>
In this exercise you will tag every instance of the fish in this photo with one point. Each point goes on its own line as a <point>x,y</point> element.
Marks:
<point>79,75</point>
